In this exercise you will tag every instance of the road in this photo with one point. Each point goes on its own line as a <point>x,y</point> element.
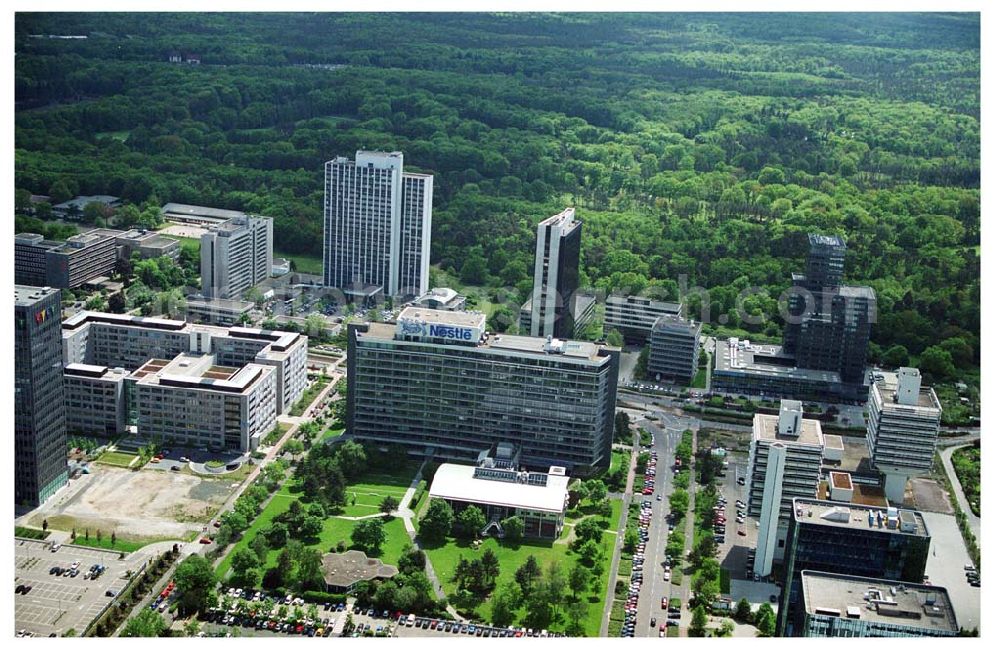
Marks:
<point>666,432</point>
<point>963,503</point>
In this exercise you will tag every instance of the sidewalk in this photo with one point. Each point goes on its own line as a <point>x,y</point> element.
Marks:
<point>963,503</point>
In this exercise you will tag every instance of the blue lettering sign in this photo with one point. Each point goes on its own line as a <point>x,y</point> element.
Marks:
<point>450,332</point>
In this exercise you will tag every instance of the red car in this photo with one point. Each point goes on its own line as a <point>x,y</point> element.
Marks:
<point>204,540</point>
<point>663,603</point>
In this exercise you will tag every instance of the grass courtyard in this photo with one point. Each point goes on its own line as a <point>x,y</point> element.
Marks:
<point>363,498</point>
<point>511,556</point>
<point>116,459</point>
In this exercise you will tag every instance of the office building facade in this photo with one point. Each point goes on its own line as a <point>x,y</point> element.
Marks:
<point>674,346</point>
<point>903,424</point>
<point>39,416</point>
<point>786,453</point>
<point>377,224</point>
<point>829,323</point>
<point>235,256</point>
<point>849,539</point>
<point>634,316</point>
<point>104,339</point>
<point>844,606</point>
<point>192,400</point>
<point>557,276</point>
<point>435,381</point>
<point>95,399</point>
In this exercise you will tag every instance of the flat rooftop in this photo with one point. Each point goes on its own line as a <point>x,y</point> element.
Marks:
<point>765,427</point>
<point>198,211</point>
<point>564,218</point>
<point>882,601</point>
<point>448,317</point>
<point>827,240</point>
<point>764,360</point>
<point>93,371</point>
<point>459,483</point>
<point>852,515</point>
<point>192,370</point>
<point>26,295</point>
<point>667,307</point>
<point>927,399</point>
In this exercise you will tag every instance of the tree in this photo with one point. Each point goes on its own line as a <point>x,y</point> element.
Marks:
<point>504,604</point>
<point>260,546</point>
<point>513,528</point>
<point>490,567</point>
<point>438,520</point>
<point>470,521</point>
<point>412,561</point>
<point>726,629</point>
<point>244,559</point>
<point>277,534</point>
<point>352,458</point>
<point>615,338</point>
<point>311,526</point>
<point>146,624</point>
<point>22,201</point>
<point>589,552</point>
<point>117,302</point>
<point>388,505</point>
<point>309,567</point>
<point>192,628</point>
<point>698,621</point>
<point>743,611</point>
<point>577,611</point>
<point>588,530</point>
<point>369,534</point>
<point>579,580</point>
<point>527,575</point>
<point>764,620</point>
<point>938,362</point>
<point>896,356</point>
<point>195,580</point>
<point>631,541</point>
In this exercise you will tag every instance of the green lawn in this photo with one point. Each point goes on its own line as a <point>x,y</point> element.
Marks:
<point>370,490</point>
<point>330,433</point>
<point>306,264</point>
<point>118,459</point>
<point>126,545</point>
<point>616,514</point>
<point>699,378</point>
<point>511,556</point>
<point>617,458</point>
<point>187,243</point>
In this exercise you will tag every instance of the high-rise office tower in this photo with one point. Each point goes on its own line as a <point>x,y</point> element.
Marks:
<point>786,453</point>
<point>830,323</point>
<point>557,276</point>
<point>377,225</point>
<point>39,417</point>
<point>235,256</point>
<point>903,424</point>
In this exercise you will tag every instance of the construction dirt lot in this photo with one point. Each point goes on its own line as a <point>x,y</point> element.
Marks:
<point>148,504</point>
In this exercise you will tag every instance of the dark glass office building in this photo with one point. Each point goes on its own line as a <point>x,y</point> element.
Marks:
<point>830,323</point>
<point>848,539</point>
<point>39,417</point>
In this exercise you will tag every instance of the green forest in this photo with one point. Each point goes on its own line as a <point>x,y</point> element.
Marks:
<point>697,148</point>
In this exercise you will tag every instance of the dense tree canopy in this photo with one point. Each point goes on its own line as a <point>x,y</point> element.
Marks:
<point>698,149</point>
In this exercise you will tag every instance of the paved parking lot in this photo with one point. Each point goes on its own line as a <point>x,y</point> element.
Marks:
<point>56,604</point>
<point>946,567</point>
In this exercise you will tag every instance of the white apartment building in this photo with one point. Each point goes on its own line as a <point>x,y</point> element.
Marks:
<point>193,401</point>
<point>236,255</point>
<point>95,399</point>
<point>786,453</point>
<point>903,424</point>
<point>113,340</point>
<point>377,224</point>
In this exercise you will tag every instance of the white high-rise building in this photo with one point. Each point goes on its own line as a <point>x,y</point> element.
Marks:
<point>236,255</point>
<point>785,458</point>
<point>903,424</point>
<point>377,224</point>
